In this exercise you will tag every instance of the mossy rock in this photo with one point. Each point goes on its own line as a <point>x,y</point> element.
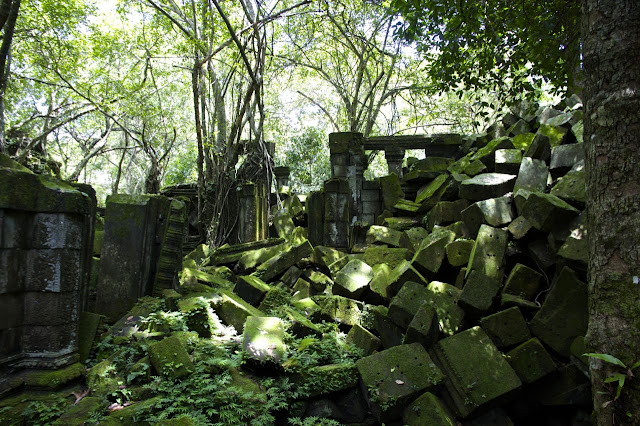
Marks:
<point>80,413</point>
<point>103,378</point>
<point>132,415</point>
<point>53,379</point>
<point>170,357</point>
<point>326,379</point>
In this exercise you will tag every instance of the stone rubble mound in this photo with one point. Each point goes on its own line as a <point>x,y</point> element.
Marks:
<point>465,303</point>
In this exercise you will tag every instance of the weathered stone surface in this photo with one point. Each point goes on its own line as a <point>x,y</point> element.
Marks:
<point>444,299</point>
<point>391,190</point>
<point>427,409</point>
<point>352,279</point>
<point>318,280</point>
<point>234,311</point>
<point>446,212</point>
<point>486,185</point>
<point>331,378</point>
<point>571,187</point>
<point>508,161</point>
<point>429,190</point>
<point>519,227</point>
<point>87,329</point>
<point>523,282</point>
<point>506,328</point>
<point>251,289</point>
<point>556,134</point>
<point>547,212</point>
<point>406,303</point>
<point>383,235</point>
<point>563,157</point>
<point>431,252</point>
<point>389,256</point>
<point>283,261</point>
<point>424,327</point>
<point>388,282</point>
<point>325,256</point>
<point>263,338</point>
<point>539,148</point>
<point>563,316</point>
<point>230,254</point>
<point>530,361</point>
<point>390,334</point>
<point>400,223</point>
<point>301,290</point>
<point>170,357</point>
<point>363,339</point>
<point>395,376</point>
<point>494,212</point>
<point>479,294</point>
<point>532,175</point>
<point>458,252</point>
<point>199,316</point>
<point>411,238</point>
<point>344,310</point>
<point>487,255</point>
<point>486,154</point>
<point>476,374</point>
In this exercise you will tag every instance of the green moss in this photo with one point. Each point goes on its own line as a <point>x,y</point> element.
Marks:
<point>133,414</point>
<point>103,378</point>
<point>234,311</point>
<point>55,378</point>
<point>325,379</point>
<point>80,413</point>
<point>170,357</point>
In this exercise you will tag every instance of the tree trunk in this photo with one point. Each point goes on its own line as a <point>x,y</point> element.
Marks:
<point>611,52</point>
<point>8,27</point>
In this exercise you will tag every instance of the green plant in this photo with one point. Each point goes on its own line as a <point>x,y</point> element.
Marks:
<point>44,412</point>
<point>312,421</point>
<point>620,378</point>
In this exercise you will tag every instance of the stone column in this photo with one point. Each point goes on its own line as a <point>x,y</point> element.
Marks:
<point>282,177</point>
<point>394,157</point>
<point>315,218</point>
<point>253,218</point>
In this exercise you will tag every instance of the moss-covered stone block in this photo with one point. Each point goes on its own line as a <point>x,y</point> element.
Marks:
<point>506,328</point>
<point>523,282</point>
<point>458,252</point>
<point>383,235</point>
<point>318,280</point>
<point>390,334</point>
<point>352,280</point>
<point>277,297</point>
<point>430,254</point>
<point>263,339</point>
<point>571,187</point>
<point>391,190</point>
<point>199,315</point>
<point>363,339</point>
<point>427,409</point>
<point>479,294</point>
<point>386,255</point>
<point>283,261</point>
<point>326,379</point>
<point>406,303</point>
<point>300,326</point>
<point>80,413</point>
<point>411,239</point>
<point>445,212</point>
<point>487,255</point>
<point>547,212</point>
<point>132,415</point>
<point>486,185</point>
<point>325,256</point>
<point>476,373</point>
<point>444,299</point>
<point>424,327</point>
<point>252,258</point>
<point>53,379</point>
<point>87,329</point>
<point>392,378</point>
<point>564,314</point>
<point>283,223</point>
<point>233,310</point>
<point>301,290</point>
<point>103,378</point>
<point>531,361</point>
<point>170,357</point>
<point>251,289</point>
<point>192,276</point>
<point>493,211</point>
<point>344,310</point>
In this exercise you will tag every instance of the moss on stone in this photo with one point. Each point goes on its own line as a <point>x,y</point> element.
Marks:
<point>170,357</point>
<point>80,413</point>
<point>53,379</point>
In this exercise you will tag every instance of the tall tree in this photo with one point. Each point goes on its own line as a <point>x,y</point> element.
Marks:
<point>611,52</point>
<point>8,16</point>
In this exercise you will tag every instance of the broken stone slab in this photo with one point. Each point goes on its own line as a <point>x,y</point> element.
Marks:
<point>391,190</point>
<point>390,256</point>
<point>192,277</point>
<point>263,338</point>
<point>412,237</point>
<point>290,277</point>
<point>352,279</point>
<point>251,289</point>
<point>300,326</point>
<point>430,254</point>
<point>317,279</point>
<point>575,249</point>
<point>277,297</point>
<point>169,356</point>
<point>392,378</point>
<point>293,205</point>
<point>571,188</point>
<point>564,315</point>
<point>566,386</point>
<point>510,300</point>
<point>446,212</point>
<point>325,256</point>
<point>520,198</point>
<point>563,158</point>
<point>430,189</point>
<point>458,228</point>
<point>487,255</point>
<point>476,374</point>
<point>494,212</point>
<point>519,227</point>
<point>458,252</point>
<point>389,284</point>
<point>479,294</point>
<point>407,206</point>
<point>283,261</point>
<point>234,311</point>
<point>539,148</point>
<point>283,223</point>
<point>301,290</point>
<point>523,140</point>
<point>444,299</point>
<point>363,339</point>
<point>424,327</point>
<point>506,328</point>
<point>486,185</point>
<point>508,161</point>
<point>401,223</point>
<point>390,334</point>
<point>383,235</point>
<point>87,328</point>
<point>427,409</point>
<point>533,175</point>
<point>530,361</point>
<point>523,282</point>
<point>578,131</point>
<point>556,134</point>
<point>521,126</point>
<point>405,304</point>
<point>547,212</point>
<point>343,310</point>
<point>228,254</point>
<point>486,154</point>
<point>542,254</point>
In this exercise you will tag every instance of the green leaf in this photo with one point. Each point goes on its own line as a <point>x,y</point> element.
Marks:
<point>607,358</point>
<point>637,364</point>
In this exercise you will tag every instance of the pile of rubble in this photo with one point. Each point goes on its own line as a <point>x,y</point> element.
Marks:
<point>465,304</point>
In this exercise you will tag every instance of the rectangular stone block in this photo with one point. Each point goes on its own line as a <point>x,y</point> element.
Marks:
<point>54,271</point>
<point>50,308</point>
<point>476,374</point>
<point>14,229</point>
<point>506,328</point>
<point>487,255</point>
<point>55,230</point>
<point>12,267</point>
<point>50,339</point>
<point>11,307</point>
<point>10,342</point>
